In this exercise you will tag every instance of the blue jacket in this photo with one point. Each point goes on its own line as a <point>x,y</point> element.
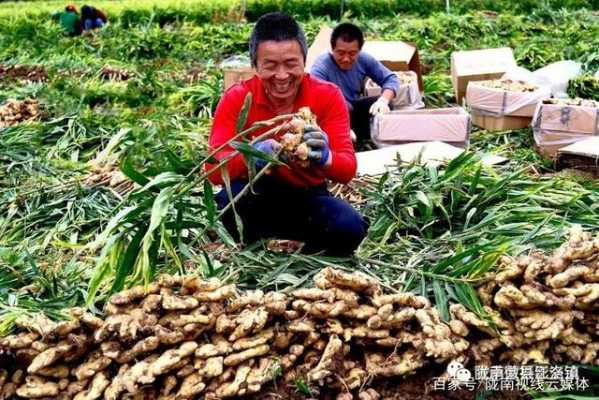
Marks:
<point>350,81</point>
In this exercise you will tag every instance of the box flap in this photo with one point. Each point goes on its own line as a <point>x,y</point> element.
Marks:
<point>587,147</point>
<point>376,162</point>
<point>321,44</point>
<point>485,61</point>
<point>392,51</point>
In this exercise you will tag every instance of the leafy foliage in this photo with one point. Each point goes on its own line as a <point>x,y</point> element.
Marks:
<point>433,230</point>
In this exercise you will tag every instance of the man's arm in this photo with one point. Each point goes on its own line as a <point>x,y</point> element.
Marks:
<point>319,69</point>
<point>382,76</point>
<point>223,129</point>
<point>335,124</point>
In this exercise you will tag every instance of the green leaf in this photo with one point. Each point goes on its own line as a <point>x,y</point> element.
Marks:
<point>105,264</point>
<point>441,300</point>
<point>475,180</point>
<point>126,166</point>
<point>224,235</point>
<point>468,297</point>
<point>158,214</point>
<point>125,215</point>
<point>178,165</point>
<point>160,181</point>
<point>243,114</point>
<point>227,182</point>
<point>469,216</point>
<point>303,387</point>
<point>423,199</point>
<point>128,260</point>
<point>209,203</point>
<point>249,152</point>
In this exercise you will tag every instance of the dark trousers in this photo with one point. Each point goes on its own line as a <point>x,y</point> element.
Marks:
<point>360,117</point>
<point>310,215</point>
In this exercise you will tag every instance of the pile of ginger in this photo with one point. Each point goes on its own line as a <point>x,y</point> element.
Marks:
<point>183,337</point>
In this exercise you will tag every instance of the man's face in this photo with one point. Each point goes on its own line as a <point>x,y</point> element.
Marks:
<point>346,53</point>
<point>280,65</point>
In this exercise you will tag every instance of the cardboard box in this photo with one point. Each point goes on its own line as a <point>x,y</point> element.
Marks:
<point>408,95</point>
<point>491,123</point>
<point>449,125</point>
<point>478,65</point>
<point>556,126</point>
<point>236,75</point>
<point>498,102</point>
<point>395,55</point>
<point>320,45</point>
<point>582,155</point>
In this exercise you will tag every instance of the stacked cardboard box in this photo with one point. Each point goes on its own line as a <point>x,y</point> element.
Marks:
<point>558,123</point>
<point>449,125</point>
<point>503,104</point>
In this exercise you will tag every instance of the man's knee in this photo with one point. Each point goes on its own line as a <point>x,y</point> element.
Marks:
<point>349,228</point>
<point>222,197</point>
<point>344,228</point>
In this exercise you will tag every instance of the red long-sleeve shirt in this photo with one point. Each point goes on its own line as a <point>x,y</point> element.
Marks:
<point>324,100</point>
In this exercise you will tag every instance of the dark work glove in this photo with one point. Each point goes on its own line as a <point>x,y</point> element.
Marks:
<point>268,146</point>
<point>318,145</point>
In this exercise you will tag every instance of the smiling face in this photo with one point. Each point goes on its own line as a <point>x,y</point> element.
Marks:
<point>280,66</point>
<point>346,53</point>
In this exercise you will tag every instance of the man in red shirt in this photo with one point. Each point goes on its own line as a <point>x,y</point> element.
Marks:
<point>292,202</point>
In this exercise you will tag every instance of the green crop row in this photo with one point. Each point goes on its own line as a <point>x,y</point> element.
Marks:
<point>213,10</point>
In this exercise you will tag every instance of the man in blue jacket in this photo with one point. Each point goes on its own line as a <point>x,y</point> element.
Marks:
<point>347,67</point>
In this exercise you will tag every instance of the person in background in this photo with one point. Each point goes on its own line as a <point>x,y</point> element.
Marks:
<point>347,66</point>
<point>292,201</point>
<point>92,18</point>
<point>69,20</point>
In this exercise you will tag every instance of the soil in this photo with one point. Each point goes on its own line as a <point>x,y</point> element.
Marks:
<point>114,73</point>
<point>33,73</point>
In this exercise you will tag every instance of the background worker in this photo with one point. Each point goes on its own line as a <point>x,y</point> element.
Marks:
<point>92,18</point>
<point>69,20</point>
<point>292,202</point>
<point>347,66</point>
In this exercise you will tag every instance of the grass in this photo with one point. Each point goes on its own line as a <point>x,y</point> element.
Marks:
<point>433,230</point>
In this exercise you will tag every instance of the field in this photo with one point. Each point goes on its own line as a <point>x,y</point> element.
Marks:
<point>102,189</point>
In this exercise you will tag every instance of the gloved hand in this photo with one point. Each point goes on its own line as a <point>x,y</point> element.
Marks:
<point>318,145</point>
<point>380,106</point>
<point>268,146</point>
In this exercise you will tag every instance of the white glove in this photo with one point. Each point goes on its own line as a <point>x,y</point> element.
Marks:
<point>380,106</point>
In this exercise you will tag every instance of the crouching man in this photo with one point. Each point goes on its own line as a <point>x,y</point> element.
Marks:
<point>347,66</point>
<point>292,201</point>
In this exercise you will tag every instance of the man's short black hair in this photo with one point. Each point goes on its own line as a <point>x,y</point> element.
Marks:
<point>347,32</point>
<point>276,26</point>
